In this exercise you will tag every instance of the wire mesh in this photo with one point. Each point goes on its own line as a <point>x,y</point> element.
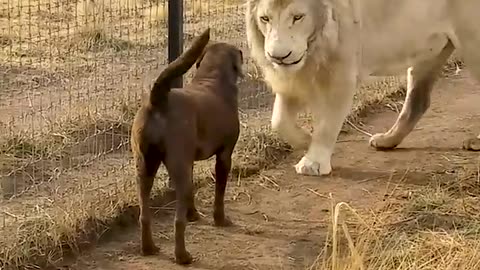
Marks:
<point>72,75</point>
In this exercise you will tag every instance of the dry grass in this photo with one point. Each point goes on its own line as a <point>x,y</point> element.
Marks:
<point>40,31</point>
<point>159,11</point>
<point>91,47</point>
<point>434,227</point>
<point>64,220</point>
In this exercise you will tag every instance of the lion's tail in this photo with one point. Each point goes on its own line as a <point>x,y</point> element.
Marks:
<point>162,85</point>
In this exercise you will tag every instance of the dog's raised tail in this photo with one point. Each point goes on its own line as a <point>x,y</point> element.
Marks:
<point>162,85</point>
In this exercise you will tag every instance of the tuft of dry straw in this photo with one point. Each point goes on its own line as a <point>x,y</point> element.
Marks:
<point>355,254</point>
<point>435,230</point>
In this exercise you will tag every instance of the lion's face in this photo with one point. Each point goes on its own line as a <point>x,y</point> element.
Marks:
<point>287,27</point>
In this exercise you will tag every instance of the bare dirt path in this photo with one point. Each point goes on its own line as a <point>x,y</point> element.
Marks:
<point>281,219</point>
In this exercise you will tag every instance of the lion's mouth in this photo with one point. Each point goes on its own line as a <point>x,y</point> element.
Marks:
<point>291,63</point>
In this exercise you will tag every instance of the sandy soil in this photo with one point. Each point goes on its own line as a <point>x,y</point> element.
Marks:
<point>281,219</point>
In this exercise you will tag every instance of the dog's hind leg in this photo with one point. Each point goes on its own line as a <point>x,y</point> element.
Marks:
<point>146,168</point>
<point>222,169</point>
<point>421,79</point>
<point>180,171</point>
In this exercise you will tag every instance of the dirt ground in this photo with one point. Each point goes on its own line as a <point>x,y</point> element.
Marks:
<point>281,219</point>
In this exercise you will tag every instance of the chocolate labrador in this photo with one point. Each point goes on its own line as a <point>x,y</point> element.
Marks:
<point>179,126</point>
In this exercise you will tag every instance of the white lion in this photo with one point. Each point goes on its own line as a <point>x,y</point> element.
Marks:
<point>315,52</point>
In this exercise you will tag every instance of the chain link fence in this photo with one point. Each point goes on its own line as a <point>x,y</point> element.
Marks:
<point>72,75</point>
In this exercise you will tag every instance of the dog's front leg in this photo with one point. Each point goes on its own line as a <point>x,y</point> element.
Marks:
<point>329,109</point>
<point>192,212</point>
<point>222,169</point>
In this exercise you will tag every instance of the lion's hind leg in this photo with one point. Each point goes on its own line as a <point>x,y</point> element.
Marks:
<point>473,65</point>
<point>421,79</point>
<point>464,15</point>
<point>473,143</point>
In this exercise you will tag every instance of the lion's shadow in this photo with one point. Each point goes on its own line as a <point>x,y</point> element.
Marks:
<point>434,149</point>
<point>359,176</point>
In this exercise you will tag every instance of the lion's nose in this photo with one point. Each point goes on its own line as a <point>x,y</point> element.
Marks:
<point>279,58</point>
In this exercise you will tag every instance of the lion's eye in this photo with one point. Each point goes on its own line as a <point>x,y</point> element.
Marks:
<point>265,19</point>
<point>298,17</point>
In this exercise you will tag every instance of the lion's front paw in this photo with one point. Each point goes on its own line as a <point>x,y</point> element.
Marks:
<point>382,141</point>
<point>308,167</point>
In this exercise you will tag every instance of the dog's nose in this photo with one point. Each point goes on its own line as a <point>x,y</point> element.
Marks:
<point>279,58</point>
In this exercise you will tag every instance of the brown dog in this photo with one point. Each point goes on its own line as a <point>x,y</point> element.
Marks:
<point>179,126</point>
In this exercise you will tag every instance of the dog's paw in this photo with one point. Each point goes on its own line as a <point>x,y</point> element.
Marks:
<point>223,222</point>
<point>308,167</point>
<point>183,257</point>
<point>150,249</point>
<point>472,144</point>
<point>193,215</point>
<point>382,141</point>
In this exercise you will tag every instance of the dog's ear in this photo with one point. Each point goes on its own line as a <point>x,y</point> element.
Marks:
<point>238,63</point>
<point>241,55</point>
<point>199,60</point>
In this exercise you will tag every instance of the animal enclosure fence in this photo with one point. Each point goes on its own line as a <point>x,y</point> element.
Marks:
<point>72,75</point>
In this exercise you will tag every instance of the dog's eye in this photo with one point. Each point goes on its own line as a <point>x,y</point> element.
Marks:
<point>264,19</point>
<point>298,17</point>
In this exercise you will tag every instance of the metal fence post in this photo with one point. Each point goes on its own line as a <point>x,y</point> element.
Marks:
<point>175,34</point>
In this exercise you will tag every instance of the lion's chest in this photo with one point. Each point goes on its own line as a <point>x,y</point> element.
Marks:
<point>298,85</point>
